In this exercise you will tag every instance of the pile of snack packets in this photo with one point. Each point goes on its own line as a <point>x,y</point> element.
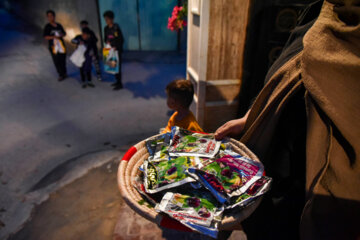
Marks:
<point>194,179</point>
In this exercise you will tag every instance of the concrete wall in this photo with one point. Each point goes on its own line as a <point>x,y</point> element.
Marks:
<point>68,13</point>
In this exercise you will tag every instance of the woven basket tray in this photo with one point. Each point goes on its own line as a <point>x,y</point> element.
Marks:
<point>129,169</point>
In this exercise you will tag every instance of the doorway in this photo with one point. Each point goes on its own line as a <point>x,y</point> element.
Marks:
<point>143,23</point>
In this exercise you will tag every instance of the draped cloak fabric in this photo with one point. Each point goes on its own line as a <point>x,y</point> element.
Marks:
<point>324,78</point>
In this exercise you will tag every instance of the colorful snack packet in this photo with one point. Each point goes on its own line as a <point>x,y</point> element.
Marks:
<point>228,176</point>
<point>140,188</point>
<point>187,143</point>
<point>198,210</point>
<point>164,174</point>
<point>257,189</point>
<point>158,146</point>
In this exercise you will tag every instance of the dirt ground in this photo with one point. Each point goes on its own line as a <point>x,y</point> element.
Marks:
<point>91,208</point>
<point>85,209</point>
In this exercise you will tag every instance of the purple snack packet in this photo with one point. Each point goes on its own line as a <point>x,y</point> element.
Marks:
<point>228,176</point>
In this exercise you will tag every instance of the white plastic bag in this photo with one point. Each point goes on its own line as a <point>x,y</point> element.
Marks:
<point>78,58</point>
<point>58,45</point>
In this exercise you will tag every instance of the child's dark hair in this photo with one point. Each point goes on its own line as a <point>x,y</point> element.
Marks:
<point>86,30</point>
<point>109,14</point>
<point>50,11</point>
<point>182,91</point>
<point>84,22</point>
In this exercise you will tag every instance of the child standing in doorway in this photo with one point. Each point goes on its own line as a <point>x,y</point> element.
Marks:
<point>180,95</point>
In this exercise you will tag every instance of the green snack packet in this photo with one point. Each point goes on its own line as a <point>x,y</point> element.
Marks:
<point>257,189</point>
<point>158,146</point>
<point>197,210</point>
<point>187,143</point>
<point>161,174</point>
<point>228,176</point>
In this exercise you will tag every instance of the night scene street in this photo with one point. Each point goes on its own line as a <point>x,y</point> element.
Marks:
<point>179,119</point>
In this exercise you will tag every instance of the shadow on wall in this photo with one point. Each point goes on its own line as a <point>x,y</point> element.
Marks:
<point>11,23</point>
<point>69,13</point>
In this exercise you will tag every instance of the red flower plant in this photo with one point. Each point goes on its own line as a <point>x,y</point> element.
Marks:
<point>177,20</point>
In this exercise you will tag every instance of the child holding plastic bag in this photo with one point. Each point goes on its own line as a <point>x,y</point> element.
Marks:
<point>54,33</point>
<point>114,37</point>
<point>96,58</point>
<point>85,70</point>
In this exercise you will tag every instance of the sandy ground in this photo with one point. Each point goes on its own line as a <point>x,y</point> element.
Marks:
<point>91,208</point>
<point>85,209</point>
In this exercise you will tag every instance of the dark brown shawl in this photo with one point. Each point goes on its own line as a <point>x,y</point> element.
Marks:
<point>326,77</point>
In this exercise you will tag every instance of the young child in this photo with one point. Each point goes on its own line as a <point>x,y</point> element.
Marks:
<point>180,94</point>
<point>90,44</point>
<point>85,24</point>
<point>114,37</point>
<point>54,33</point>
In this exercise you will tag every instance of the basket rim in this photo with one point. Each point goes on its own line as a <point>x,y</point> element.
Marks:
<point>130,195</point>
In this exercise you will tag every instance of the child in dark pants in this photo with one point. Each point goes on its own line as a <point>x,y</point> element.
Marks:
<point>90,44</point>
<point>85,24</point>
<point>54,33</point>
<point>114,37</point>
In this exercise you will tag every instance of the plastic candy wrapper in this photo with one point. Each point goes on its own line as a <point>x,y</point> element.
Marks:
<point>140,188</point>
<point>158,146</point>
<point>228,176</point>
<point>228,151</point>
<point>165,174</point>
<point>193,178</point>
<point>226,145</point>
<point>187,143</point>
<point>198,211</point>
<point>257,189</point>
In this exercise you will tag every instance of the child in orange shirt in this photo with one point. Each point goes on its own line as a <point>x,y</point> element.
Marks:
<point>180,94</point>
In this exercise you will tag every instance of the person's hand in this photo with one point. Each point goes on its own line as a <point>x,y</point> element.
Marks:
<point>231,128</point>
